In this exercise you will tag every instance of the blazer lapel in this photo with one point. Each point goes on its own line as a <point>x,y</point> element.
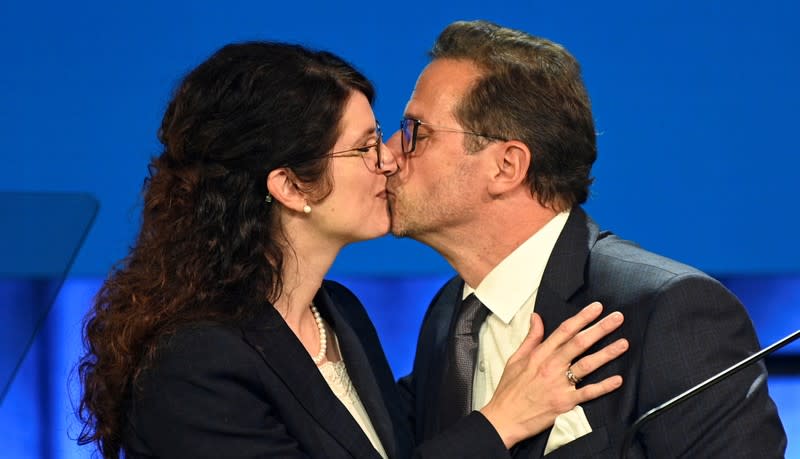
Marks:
<point>564,274</point>
<point>286,356</point>
<point>359,370</point>
<point>444,311</point>
<point>556,299</point>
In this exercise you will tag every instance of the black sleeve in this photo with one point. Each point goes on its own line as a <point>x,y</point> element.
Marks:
<point>472,437</point>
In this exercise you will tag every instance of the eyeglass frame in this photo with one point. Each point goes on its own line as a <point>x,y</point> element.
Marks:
<point>418,123</point>
<point>339,153</point>
<point>363,151</point>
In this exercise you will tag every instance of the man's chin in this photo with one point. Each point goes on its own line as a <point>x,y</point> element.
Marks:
<point>397,229</point>
<point>398,226</point>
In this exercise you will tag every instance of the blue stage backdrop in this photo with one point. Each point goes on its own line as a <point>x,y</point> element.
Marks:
<point>695,105</point>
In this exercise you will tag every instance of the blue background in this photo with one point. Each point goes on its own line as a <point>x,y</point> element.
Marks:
<point>695,103</point>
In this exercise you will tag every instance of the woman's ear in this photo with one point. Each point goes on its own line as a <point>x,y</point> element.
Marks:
<point>512,161</point>
<point>282,187</point>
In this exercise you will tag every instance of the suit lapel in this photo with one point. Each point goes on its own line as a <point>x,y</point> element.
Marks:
<point>444,313</point>
<point>288,359</point>
<point>564,274</point>
<point>451,300</point>
<point>556,299</point>
<point>359,370</point>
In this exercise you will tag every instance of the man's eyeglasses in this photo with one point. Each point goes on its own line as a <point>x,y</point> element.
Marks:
<point>373,162</point>
<point>409,127</point>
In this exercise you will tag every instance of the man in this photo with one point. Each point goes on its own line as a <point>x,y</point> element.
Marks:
<point>497,147</point>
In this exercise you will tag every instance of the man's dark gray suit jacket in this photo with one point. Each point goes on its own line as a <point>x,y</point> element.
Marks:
<point>683,327</point>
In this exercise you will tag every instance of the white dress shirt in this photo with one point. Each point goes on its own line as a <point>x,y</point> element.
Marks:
<point>509,291</point>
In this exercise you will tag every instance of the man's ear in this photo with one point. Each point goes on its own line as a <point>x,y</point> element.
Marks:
<point>282,187</point>
<point>512,160</point>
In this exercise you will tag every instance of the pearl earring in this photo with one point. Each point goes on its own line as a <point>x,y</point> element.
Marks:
<point>307,209</point>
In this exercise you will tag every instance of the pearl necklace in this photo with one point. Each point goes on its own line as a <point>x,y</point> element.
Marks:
<point>323,338</point>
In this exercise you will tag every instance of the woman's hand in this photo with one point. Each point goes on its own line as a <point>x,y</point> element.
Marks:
<point>535,387</point>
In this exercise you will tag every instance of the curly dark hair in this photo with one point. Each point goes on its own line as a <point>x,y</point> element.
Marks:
<point>530,89</point>
<point>209,247</point>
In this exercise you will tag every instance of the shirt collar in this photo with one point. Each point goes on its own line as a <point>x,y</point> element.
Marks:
<point>510,284</point>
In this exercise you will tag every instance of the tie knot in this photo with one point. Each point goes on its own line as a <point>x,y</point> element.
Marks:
<point>471,316</point>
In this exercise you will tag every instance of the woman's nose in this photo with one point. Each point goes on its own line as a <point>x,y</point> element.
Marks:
<point>389,158</point>
<point>390,155</point>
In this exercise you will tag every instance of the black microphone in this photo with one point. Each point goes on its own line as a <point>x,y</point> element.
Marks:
<point>626,444</point>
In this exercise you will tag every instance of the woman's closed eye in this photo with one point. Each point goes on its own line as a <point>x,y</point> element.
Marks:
<point>366,148</point>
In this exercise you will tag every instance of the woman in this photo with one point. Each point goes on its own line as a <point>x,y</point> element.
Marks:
<point>217,336</point>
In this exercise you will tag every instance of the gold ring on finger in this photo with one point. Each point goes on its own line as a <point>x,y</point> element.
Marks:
<point>571,377</point>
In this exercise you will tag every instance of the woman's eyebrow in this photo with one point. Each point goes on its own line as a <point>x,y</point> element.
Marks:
<point>366,133</point>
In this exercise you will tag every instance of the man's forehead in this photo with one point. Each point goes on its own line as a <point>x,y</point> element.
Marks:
<point>439,88</point>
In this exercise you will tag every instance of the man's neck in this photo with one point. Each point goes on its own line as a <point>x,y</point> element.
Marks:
<point>475,249</point>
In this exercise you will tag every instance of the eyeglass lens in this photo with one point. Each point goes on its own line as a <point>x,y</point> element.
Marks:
<point>407,128</point>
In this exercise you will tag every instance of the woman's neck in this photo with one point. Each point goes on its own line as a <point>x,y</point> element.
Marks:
<point>307,259</point>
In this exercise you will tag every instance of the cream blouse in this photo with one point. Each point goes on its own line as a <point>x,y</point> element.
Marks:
<point>335,374</point>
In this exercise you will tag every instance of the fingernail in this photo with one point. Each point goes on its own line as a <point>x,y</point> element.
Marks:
<point>622,345</point>
<point>594,307</point>
<point>616,316</point>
